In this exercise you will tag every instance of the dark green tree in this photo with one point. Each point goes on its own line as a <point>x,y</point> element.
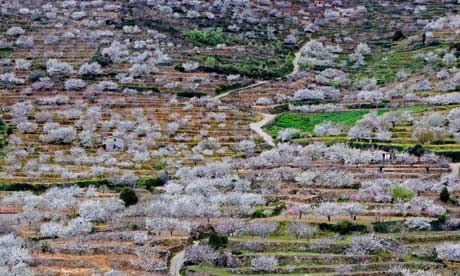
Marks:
<point>398,35</point>
<point>417,150</point>
<point>217,240</point>
<point>444,196</point>
<point>129,196</point>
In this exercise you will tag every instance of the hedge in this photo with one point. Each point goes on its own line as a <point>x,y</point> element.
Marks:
<point>343,227</point>
<point>190,94</point>
<point>38,188</point>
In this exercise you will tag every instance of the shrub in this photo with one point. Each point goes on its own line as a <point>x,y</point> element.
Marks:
<point>444,196</point>
<point>258,214</point>
<point>210,62</point>
<point>386,227</point>
<point>398,35</point>
<point>129,196</point>
<point>343,227</point>
<point>211,38</point>
<point>190,94</point>
<point>217,240</point>
<point>417,150</point>
<point>101,59</point>
<point>151,182</point>
<point>417,224</point>
<point>46,247</point>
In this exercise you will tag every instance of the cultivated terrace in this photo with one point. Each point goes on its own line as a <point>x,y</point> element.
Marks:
<point>229,137</point>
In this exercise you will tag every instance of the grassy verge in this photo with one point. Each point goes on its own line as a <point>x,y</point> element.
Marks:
<point>3,135</point>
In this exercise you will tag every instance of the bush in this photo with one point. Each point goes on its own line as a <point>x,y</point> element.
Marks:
<point>16,187</point>
<point>343,227</point>
<point>150,183</point>
<point>386,227</point>
<point>217,241</point>
<point>258,214</point>
<point>129,196</point>
<point>190,94</point>
<point>211,38</point>
<point>36,75</point>
<point>101,59</point>
<point>453,155</point>
<point>417,150</point>
<point>46,247</point>
<point>444,196</point>
<point>398,35</point>
<point>400,193</point>
<point>210,62</point>
<point>278,209</point>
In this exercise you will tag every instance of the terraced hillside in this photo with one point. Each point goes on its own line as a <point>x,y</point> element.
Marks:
<point>229,137</point>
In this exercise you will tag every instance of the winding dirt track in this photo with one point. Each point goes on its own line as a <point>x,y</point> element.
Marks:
<point>176,263</point>
<point>258,128</point>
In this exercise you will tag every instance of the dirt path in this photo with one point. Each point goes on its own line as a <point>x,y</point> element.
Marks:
<point>259,83</point>
<point>257,127</point>
<point>296,61</point>
<point>454,167</point>
<point>176,263</point>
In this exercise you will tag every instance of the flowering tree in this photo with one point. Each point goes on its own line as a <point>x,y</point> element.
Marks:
<point>354,209</point>
<point>13,256</point>
<point>55,67</point>
<point>262,229</point>
<point>329,209</point>
<point>364,245</point>
<point>158,225</point>
<point>449,252</point>
<point>264,263</point>
<point>301,230</point>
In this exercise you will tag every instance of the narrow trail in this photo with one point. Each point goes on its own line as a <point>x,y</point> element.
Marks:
<point>455,168</point>
<point>176,263</point>
<point>258,126</point>
<point>296,61</point>
<point>259,83</point>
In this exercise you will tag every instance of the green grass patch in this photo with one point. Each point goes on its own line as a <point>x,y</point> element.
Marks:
<point>207,37</point>
<point>3,135</point>
<point>6,51</point>
<point>307,122</point>
<point>384,66</point>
